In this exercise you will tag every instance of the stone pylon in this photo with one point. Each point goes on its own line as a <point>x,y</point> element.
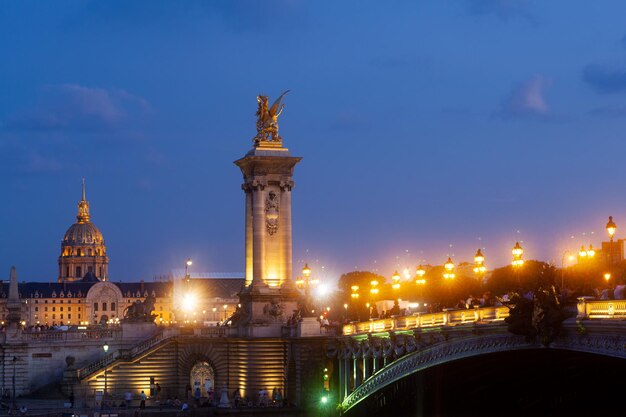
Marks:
<point>270,296</point>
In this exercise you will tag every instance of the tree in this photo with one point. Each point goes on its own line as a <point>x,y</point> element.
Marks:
<point>360,278</point>
<point>532,275</point>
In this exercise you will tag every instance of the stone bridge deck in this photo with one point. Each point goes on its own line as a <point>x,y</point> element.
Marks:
<point>372,355</point>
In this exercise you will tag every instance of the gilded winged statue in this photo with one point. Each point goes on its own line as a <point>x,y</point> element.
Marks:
<point>267,119</point>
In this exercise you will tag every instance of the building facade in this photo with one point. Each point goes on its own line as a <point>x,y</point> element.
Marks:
<point>84,294</point>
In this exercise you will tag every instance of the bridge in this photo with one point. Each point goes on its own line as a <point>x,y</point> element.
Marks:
<point>378,359</point>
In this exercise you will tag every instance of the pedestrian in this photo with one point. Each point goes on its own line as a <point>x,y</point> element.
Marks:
<point>620,290</point>
<point>23,410</point>
<point>158,392</point>
<point>142,403</point>
<point>196,395</point>
<point>128,398</point>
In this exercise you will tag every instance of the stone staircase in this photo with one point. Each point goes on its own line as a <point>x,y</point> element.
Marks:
<point>129,369</point>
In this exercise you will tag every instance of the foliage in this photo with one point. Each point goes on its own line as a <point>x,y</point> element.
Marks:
<point>360,278</point>
<point>531,275</point>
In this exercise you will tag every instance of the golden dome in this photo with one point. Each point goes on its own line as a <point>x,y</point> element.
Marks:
<point>83,234</point>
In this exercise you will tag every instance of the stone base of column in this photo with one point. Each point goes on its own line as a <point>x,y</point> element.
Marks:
<point>265,310</point>
<point>309,327</point>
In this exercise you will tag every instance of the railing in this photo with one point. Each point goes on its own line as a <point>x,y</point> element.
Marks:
<point>590,308</point>
<point>65,335</point>
<point>136,350</point>
<point>213,331</point>
<point>424,320</point>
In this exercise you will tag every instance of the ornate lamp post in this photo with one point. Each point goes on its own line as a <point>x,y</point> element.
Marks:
<point>306,282</point>
<point>479,266</point>
<point>518,253</point>
<point>611,227</point>
<point>591,252</point>
<point>420,280</point>
<point>355,293</point>
<point>105,347</point>
<point>188,263</point>
<point>395,278</point>
<point>449,269</point>
<point>586,254</point>
<point>518,262</point>
<point>373,292</point>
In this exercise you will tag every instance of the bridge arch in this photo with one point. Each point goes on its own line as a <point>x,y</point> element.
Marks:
<point>451,348</point>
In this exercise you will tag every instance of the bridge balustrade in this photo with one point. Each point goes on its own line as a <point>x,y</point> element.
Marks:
<point>447,317</point>
<point>590,308</point>
<point>70,335</point>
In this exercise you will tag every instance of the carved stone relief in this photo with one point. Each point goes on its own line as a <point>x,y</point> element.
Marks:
<point>271,213</point>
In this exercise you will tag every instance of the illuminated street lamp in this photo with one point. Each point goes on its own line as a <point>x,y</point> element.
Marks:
<point>517,253</point>
<point>588,254</point>
<point>449,269</point>
<point>306,282</point>
<point>188,263</point>
<point>420,280</point>
<point>419,273</point>
<point>374,287</point>
<point>105,347</point>
<point>479,263</point>
<point>591,252</point>
<point>611,227</point>
<point>607,277</point>
<point>395,278</point>
<point>355,292</point>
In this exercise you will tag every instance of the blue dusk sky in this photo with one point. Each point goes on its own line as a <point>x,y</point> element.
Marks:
<point>427,128</point>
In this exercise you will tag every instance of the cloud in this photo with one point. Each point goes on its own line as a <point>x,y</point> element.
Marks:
<point>72,107</point>
<point>605,80</point>
<point>526,99</point>
<point>504,9</point>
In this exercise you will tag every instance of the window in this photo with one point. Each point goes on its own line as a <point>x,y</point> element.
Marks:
<point>54,316</point>
<point>78,270</point>
<point>36,301</point>
<point>78,308</point>
<point>100,274</point>
<point>69,308</point>
<point>69,316</point>
<point>54,309</point>
<point>79,317</point>
<point>104,306</point>
<point>61,316</point>
<point>95,306</point>
<point>54,301</point>
<point>112,306</point>
<point>89,253</point>
<point>36,309</point>
<point>45,309</point>
<point>61,309</point>
<point>45,301</point>
<point>67,271</point>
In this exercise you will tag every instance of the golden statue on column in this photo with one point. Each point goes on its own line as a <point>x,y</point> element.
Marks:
<point>267,121</point>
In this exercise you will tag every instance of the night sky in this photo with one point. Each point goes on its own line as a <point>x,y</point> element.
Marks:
<point>426,128</point>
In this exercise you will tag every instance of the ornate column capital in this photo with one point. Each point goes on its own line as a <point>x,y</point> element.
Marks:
<point>254,185</point>
<point>286,185</point>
